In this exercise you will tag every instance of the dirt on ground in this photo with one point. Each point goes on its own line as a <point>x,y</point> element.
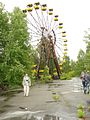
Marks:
<point>58,100</point>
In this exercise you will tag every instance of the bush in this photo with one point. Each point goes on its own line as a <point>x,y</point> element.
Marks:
<point>67,76</point>
<point>56,97</point>
<point>46,77</point>
<point>80,106</point>
<point>80,113</point>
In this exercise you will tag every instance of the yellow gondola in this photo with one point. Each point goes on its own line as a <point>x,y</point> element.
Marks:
<point>65,40</point>
<point>64,56</point>
<point>60,23</point>
<point>50,12</point>
<point>36,7</point>
<point>44,7</point>
<point>63,32</point>
<point>37,3</point>
<point>60,27</point>
<point>64,35</point>
<point>56,18</point>
<point>34,65</point>
<point>60,64</point>
<point>41,70</point>
<point>64,61</point>
<point>65,53</point>
<point>29,9</point>
<point>60,68</point>
<point>30,5</point>
<point>65,49</point>
<point>64,44</point>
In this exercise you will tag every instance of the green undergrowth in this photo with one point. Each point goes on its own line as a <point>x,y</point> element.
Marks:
<point>67,76</point>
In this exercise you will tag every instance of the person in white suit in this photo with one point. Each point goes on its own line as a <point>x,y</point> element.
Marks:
<point>26,84</point>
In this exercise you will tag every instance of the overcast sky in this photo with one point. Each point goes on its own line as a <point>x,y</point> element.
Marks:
<point>73,13</point>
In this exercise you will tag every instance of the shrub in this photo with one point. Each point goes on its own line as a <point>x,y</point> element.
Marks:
<point>80,113</point>
<point>67,76</point>
<point>80,106</point>
<point>56,97</point>
<point>46,77</point>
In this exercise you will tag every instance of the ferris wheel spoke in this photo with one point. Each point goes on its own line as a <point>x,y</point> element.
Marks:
<point>47,20</point>
<point>59,50</point>
<point>54,36</point>
<point>44,20</point>
<point>54,24</point>
<point>36,28</point>
<point>59,43</point>
<point>34,37</point>
<point>52,27</point>
<point>56,27</point>
<point>33,40</point>
<point>58,54</point>
<point>37,23</point>
<point>50,24</point>
<point>59,39</point>
<point>39,19</point>
<point>59,47</point>
<point>58,33</point>
<point>35,32</point>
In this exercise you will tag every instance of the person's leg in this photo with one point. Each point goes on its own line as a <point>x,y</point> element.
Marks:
<point>84,86</point>
<point>88,88</point>
<point>27,92</point>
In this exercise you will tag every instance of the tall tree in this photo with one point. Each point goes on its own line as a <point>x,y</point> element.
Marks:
<point>87,55</point>
<point>14,42</point>
<point>17,50</point>
<point>4,38</point>
<point>80,64</point>
<point>66,65</point>
<point>87,39</point>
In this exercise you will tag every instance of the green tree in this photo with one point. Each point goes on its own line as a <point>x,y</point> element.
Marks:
<point>4,38</point>
<point>16,50</point>
<point>87,61</point>
<point>87,40</point>
<point>80,64</point>
<point>73,65</point>
<point>66,65</point>
<point>87,55</point>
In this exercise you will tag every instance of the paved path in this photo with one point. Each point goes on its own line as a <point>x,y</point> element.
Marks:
<point>40,102</point>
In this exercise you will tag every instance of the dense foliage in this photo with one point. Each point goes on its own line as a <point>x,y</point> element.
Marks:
<point>74,68</point>
<point>83,58</point>
<point>15,51</point>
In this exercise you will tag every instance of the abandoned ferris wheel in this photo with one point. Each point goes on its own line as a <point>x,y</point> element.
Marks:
<point>47,36</point>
